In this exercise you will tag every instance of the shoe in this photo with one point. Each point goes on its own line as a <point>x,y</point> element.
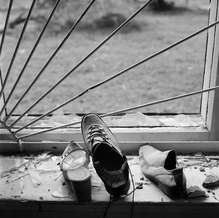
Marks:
<point>74,166</point>
<point>160,168</point>
<point>74,156</point>
<point>109,162</point>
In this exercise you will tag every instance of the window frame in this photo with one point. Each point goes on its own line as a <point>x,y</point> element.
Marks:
<point>183,139</point>
<point>210,103</point>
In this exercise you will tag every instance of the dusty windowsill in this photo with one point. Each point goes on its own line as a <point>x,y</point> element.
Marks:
<point>34,185</point>
<point>38,178</point>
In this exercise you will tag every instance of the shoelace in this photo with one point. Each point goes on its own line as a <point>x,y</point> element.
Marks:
<point>111,201</point>
<point>96,134</point>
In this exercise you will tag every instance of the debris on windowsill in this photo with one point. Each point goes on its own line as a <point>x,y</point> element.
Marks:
<point>35,178</point>
<point>39,177</point>
<point>195,192</point>
<point>62,192</point>
<point>211,181</point>
<point>133,119</point>
<point>57,194</point>
<point>202,169</point>
<point>198,160</point>
<point>181,120</point>
<point>139,185</point>
<point>133,160</point>
<point>15,177</point>
<point>137,119</point>
<point>57,119</point>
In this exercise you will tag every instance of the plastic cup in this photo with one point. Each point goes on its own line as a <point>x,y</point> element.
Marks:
<point>80,182</point>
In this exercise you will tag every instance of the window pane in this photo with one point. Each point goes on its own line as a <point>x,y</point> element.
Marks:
<point>177,71</point>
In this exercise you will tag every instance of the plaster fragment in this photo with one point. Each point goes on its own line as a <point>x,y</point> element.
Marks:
<point>58,194</point>
<point>195,192</point>
<point>202,169</point>
<point>211,181</point>
<point>180,120</point>
<point>16,178</point>
<point>35,178</point>
<point>133,119</point>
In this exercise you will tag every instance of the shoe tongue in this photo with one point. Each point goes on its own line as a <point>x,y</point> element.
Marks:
<point>100,141</point>
<point>96,144</point>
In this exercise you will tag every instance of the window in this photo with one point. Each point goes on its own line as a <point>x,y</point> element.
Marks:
<point>188,132</point>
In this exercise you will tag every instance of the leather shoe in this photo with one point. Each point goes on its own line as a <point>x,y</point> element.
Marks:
<point>161,168</point>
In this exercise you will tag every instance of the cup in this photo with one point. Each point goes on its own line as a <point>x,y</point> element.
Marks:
<point>80,182</point>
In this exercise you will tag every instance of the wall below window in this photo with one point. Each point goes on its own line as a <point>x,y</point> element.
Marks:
<point>96,210</point>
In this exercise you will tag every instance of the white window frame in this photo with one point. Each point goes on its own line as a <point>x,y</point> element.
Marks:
<point>184,139</point>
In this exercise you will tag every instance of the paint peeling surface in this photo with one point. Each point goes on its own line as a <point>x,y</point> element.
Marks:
<point>38,178</point>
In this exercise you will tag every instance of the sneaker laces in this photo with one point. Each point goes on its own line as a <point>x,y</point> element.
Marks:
<point>96,135</point>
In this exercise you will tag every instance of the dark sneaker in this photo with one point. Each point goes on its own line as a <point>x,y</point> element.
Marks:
<point>109,162</point>
<point>160,167</point>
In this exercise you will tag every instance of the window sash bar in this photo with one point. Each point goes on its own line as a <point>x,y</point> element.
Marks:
<point>118,74</point>
<point>30,55</point>
<point>50,59</point>
<point>6,25</point>
<point>2,100</point>
<point>17,47</point>
<point>83,60</point>
<point>9,130</point>
<point>126,110</point>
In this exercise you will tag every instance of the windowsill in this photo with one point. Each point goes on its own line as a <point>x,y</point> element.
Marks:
<point>42,190</point>
<point>149,201</point>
